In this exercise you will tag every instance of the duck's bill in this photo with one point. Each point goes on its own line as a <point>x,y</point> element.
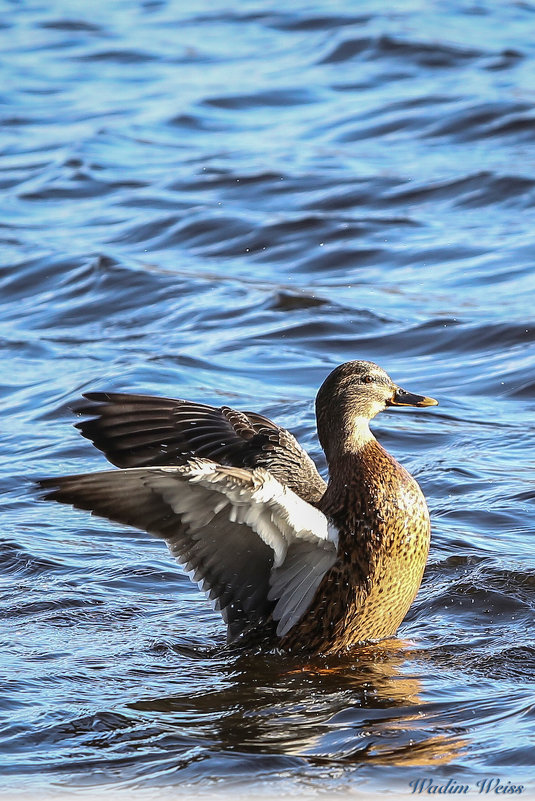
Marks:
<point>403,398</point>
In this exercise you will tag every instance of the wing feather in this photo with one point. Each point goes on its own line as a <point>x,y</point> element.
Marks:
<point>295,583</point>
<point>255,547</point>
<point>141,430</point>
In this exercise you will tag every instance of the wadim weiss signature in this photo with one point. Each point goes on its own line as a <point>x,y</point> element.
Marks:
<point>492,785</point>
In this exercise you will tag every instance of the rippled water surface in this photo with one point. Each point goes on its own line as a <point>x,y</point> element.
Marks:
<point>222,201</point>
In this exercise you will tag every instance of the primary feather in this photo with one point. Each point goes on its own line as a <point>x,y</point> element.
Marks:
<point>236,531</point>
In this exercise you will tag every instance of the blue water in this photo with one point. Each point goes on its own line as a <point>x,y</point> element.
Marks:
<point>222,202</point>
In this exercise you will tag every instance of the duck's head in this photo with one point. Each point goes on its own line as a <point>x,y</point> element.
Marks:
<point>352,395</point>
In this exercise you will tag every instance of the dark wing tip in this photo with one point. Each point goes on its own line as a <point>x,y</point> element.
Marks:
<point>48,489</point>
<point>135,397</point>
<point>89,403</point>
<point>99,397</point>
<point>84,491</point>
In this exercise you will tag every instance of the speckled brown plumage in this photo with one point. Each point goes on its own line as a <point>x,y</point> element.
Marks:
<point>288,560</point>
<point>384,534</point>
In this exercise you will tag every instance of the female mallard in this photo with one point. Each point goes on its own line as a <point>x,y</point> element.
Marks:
<point>309,566</point>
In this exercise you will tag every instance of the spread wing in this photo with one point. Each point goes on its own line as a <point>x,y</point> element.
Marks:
<point>256,548</point>
<point>140,430</point>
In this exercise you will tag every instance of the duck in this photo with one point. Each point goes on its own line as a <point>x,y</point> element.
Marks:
<point>289,560</point>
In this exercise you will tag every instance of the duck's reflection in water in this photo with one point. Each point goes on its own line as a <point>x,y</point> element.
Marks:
<point>363,706</point>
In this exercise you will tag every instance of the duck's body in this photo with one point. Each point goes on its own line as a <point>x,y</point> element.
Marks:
<point>305,565</point>
<point>368,591</point>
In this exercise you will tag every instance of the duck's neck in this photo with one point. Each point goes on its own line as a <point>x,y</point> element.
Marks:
<point>363,476</point>
<point>350,438</point>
